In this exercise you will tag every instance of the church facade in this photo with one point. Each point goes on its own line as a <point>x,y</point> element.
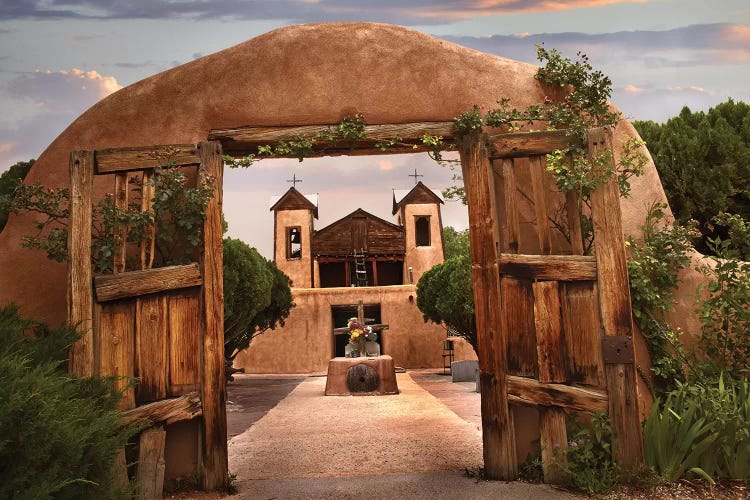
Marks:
<point>360,257</point>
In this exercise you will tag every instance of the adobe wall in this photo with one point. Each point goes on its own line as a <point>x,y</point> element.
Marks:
<point>305,344</point>
<point>421,259</point>
<point>297,75</point>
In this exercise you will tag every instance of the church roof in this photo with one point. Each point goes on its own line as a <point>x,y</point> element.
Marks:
<point>418,194</point>
<point>294,200</point>
<point>359,230</point>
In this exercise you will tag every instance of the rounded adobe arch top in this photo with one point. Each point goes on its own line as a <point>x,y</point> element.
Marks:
<point>297,75</point>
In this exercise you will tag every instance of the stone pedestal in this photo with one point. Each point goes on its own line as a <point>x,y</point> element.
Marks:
<point>363,376</point>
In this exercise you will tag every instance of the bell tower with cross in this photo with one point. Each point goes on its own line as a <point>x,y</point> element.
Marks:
<point>294,214</point>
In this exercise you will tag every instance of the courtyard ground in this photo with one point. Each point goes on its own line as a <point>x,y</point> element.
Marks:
<point>289,441</point>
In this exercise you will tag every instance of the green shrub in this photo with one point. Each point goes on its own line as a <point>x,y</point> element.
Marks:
<point>591,468</point>
<point>701,428</point>
<point>59,435</point>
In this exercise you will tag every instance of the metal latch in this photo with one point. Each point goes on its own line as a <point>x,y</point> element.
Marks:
<point>618,349</point>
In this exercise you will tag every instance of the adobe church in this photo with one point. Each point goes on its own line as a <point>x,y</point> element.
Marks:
<point>359,257</point>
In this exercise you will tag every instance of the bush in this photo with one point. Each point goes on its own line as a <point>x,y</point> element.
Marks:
<point>591,468</point>
<point>60,435</point>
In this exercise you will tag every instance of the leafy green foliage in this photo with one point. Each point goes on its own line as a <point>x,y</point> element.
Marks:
<point>60,435</point>
<point>653,266</point>
<point>701,428</point>
<point>444,295</point>
<point>703,160</point>
<point>591,468</point>
<point>456,243</point>
<point>9,180</point>
<point>178,210</point>
<point>469,122</point>
<point>725,311</point>
<point>257,296</point>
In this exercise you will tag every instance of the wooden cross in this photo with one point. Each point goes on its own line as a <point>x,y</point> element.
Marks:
<point>294,180</point>
<point>415,175</point>
<point>362,320</point>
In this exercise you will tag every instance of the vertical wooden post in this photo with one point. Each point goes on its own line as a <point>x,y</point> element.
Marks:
<point>512,236</point>
<point>151,466</point>
<point>551,356</point>
<point>147,243</point>
<point>80,291</point>
<point>540,204</point>
<point>121,236</point>
<point>615,307</point>
<point>213,382</point>
<point>497,424</point>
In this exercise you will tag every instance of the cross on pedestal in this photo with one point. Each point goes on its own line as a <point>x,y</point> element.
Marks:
<point>415,175</point>
<point>294,181</point>
<point>379,327</point>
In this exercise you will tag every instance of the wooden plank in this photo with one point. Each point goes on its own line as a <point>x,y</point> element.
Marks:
<point>149,237</point>
<point>574,223</point>
<point>534,393</point>
<point>615,309</point>
<point>517,301</point>
<point>522,144</point>
<point>550,345</point>
<point>539,195</point>
<point>137,283</point>
<point>80,296</point>
<point>184,343</point>
<point>151,348</point>
<point>213,382</point>
<point>151,465</point>
<point>167,411</point>
<point>143,157</point>
<point>121,234</point>
<point>548,267</point>
<point>582,333</point>
<point>554,444</point>
<point>498,434</point>
<point>512,234</point>
<point>116,331</point>
<point>245,140</point>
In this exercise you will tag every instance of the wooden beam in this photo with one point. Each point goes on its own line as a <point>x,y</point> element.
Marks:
<point>512,235</point>
<point>136,283</point>
<point>615,307</point>
<point>523,144</point>
<point>151,465</point>
<point>168,411</point>
<point>140,158</point>
<point>215,464</point>
<point>497,422</point>
<point>245,140</point>
<point>539,194</point>
<point>534,393</point>
<point>121,234</point>
<point>548,267</point>
<point>80,297</point>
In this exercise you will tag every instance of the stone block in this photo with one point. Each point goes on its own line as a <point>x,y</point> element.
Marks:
<point>465,370</point>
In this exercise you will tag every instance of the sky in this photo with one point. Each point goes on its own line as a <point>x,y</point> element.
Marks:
<point>59,57</point>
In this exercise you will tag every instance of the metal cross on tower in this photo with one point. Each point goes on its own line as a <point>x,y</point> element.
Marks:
<point>415,175</point>
<point>294,180</point>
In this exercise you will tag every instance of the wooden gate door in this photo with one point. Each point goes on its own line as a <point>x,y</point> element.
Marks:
<point>163,326</point>
<point>554,331</point>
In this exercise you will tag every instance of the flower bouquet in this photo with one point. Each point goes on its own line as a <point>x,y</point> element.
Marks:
<point>359,335</point>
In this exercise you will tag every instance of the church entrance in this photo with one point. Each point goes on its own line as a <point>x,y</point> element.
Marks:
<point>340,315</point>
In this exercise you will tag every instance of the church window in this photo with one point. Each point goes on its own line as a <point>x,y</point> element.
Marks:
<point>422,230</point>
<point>293,242</point>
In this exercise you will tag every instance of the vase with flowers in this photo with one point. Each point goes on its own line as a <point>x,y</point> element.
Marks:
<point>359,335</point>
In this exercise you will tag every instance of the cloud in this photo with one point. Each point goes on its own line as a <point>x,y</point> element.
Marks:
<point>58,97</point>
<point>417,11</point>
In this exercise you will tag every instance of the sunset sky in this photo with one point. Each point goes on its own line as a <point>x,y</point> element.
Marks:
<point>59,57</point>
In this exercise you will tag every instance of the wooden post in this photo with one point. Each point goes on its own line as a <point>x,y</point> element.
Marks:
<point>512,236</point>
<point>80,291</point>
<point>147,243</point>
<point>615,307</point>
<point>551,355</point>
<point>540,204</point>
<point>213,382</point>
<point>121,236</point>
<point>150,477</point>
<point>497,424</point>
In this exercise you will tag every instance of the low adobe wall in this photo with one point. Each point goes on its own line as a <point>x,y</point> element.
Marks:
<point>305,343</point>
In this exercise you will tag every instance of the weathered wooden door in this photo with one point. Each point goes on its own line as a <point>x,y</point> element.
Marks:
<point>554,325</point>
<point>162,326</point>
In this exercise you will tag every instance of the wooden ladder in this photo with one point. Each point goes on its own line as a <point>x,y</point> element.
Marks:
<point>360,269</point>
